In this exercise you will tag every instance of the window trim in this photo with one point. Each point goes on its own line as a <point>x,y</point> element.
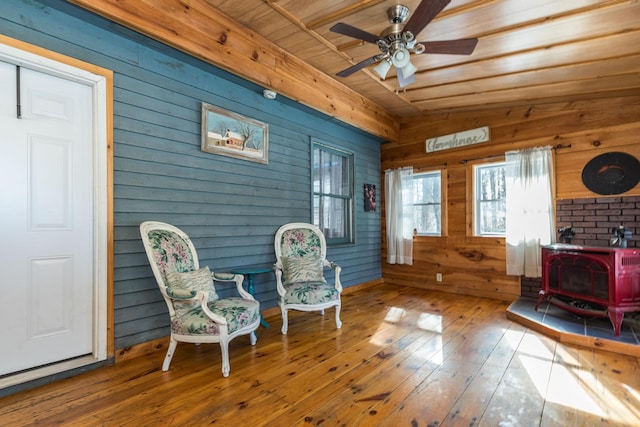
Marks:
<point>350,214</point>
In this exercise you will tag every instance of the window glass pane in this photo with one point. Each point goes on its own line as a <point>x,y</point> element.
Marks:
<point>491,183</point>
<point>427,219</point>
<point>427,209</point>
<point>490,195</point>
<point>332,216</point>
<point>331,173</point>
<point>493,217</point>
<point>426,188</point>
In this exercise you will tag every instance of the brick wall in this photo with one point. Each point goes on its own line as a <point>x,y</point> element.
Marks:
<point>592,220</point>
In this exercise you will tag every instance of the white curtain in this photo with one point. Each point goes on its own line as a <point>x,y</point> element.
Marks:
<point>399,215</point>
<point>530,213</point>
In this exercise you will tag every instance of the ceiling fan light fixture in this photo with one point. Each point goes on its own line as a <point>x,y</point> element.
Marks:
<point>404,82</point>
<point>400,57</point>
<point>408,70</point>
<point>382,68</point>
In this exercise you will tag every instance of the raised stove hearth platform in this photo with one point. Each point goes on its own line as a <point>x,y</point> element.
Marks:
<point>569,328</point>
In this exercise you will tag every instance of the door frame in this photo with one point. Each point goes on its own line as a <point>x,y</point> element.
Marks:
<point>101,81</point>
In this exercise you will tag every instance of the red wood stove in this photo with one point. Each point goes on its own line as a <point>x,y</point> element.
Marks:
<point>591,281</point>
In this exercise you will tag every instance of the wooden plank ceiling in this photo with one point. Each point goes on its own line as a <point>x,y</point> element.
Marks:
<point>528,52</point>
<point>534,51</point>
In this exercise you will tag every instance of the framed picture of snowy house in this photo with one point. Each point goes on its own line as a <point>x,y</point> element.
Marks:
<point>231,134</point>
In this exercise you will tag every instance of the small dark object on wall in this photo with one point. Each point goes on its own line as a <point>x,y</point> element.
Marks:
<point>369,198</point>
<point>566,234</point>
<point>611,173</point>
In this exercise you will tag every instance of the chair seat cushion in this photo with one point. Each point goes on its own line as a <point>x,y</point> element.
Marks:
<point>310,293</point>
<point>238,312</point>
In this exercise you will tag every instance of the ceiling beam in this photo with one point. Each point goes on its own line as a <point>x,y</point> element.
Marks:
<point>198,29</point>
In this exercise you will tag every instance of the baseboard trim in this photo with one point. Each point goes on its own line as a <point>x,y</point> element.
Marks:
<point>37,377</point>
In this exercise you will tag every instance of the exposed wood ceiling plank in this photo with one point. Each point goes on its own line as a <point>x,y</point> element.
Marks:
<point>528,51</point>
<point>205,33</point>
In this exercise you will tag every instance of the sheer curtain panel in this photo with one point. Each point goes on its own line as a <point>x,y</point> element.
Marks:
<point>530,214</point>
<point>399,215</point>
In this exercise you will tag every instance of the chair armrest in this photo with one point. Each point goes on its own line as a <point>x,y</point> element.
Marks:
<point>203,298</point>
<point>232,277</point>
<point>225,277</point>
<point>168,298</point>
<point>336,269</point>
<point>277,268</point>
<point>184,295</point>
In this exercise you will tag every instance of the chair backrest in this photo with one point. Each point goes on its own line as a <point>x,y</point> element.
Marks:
<point>168,249</point>
<point>299,239</point>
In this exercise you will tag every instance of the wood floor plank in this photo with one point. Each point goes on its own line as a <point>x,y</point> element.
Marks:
<point>470,407</point>
<point>404,356</point>
<point>518,399</point>
<point>365,386</point>
<point>452,338</point>
<point>611,382</point>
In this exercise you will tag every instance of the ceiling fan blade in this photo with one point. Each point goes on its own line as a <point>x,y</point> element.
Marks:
<point>358,66</point>
<point>451,47</point>
<point>356,33</point>
<point>424,13</point>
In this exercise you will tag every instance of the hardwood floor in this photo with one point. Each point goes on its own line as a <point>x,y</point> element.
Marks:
<point>404,357</point>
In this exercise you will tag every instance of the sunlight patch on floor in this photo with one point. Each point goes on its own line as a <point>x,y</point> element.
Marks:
<point>566,389</point>
<point>561,379</point>
<point>425,321</point>
<point>538,369</point>
<point>394,315</point>
<point>430,322</point>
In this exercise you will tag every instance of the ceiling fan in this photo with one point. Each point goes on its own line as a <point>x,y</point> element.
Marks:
<point>398,42</point>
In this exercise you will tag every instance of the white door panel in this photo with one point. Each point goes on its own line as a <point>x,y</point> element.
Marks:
<point>46,176</point>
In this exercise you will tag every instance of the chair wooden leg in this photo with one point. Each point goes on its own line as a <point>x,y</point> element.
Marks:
<point>285,321</point>
<point>167,359</point>
<point>224,346</point>
<point>253,338</point>
<point>338,321</point>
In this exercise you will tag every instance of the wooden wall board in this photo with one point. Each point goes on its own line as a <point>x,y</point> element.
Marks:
<point>476,265</point>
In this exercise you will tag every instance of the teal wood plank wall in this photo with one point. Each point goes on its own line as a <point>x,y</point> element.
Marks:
<point>231,208</point>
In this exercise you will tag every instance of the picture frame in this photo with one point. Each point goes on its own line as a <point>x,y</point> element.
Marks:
<point>369,198</point>
<point>231,134</point>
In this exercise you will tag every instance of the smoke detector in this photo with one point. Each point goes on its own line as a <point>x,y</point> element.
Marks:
<point>269,94</point>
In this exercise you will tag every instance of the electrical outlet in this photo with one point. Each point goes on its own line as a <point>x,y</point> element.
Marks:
<point>438,277</point>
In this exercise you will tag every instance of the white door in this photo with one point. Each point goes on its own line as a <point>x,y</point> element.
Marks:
<point>47,229</point>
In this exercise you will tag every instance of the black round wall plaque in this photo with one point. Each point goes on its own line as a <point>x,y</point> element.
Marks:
<point>611,173</point>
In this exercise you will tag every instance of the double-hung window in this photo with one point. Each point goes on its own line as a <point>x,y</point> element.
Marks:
<point>427,203</point>
<point>490,199</point>
<point>333,193</point>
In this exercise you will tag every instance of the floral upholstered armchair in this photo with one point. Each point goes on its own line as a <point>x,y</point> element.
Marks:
<point>301,251</point>
<point>198,315</point>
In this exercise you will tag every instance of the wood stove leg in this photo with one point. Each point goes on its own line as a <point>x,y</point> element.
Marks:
<point>616,318</point>
<point>541,297</point>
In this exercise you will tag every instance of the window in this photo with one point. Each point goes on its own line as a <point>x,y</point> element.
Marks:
<point>427,203</point>
<point>333,193</point>
<point>490,199</point>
